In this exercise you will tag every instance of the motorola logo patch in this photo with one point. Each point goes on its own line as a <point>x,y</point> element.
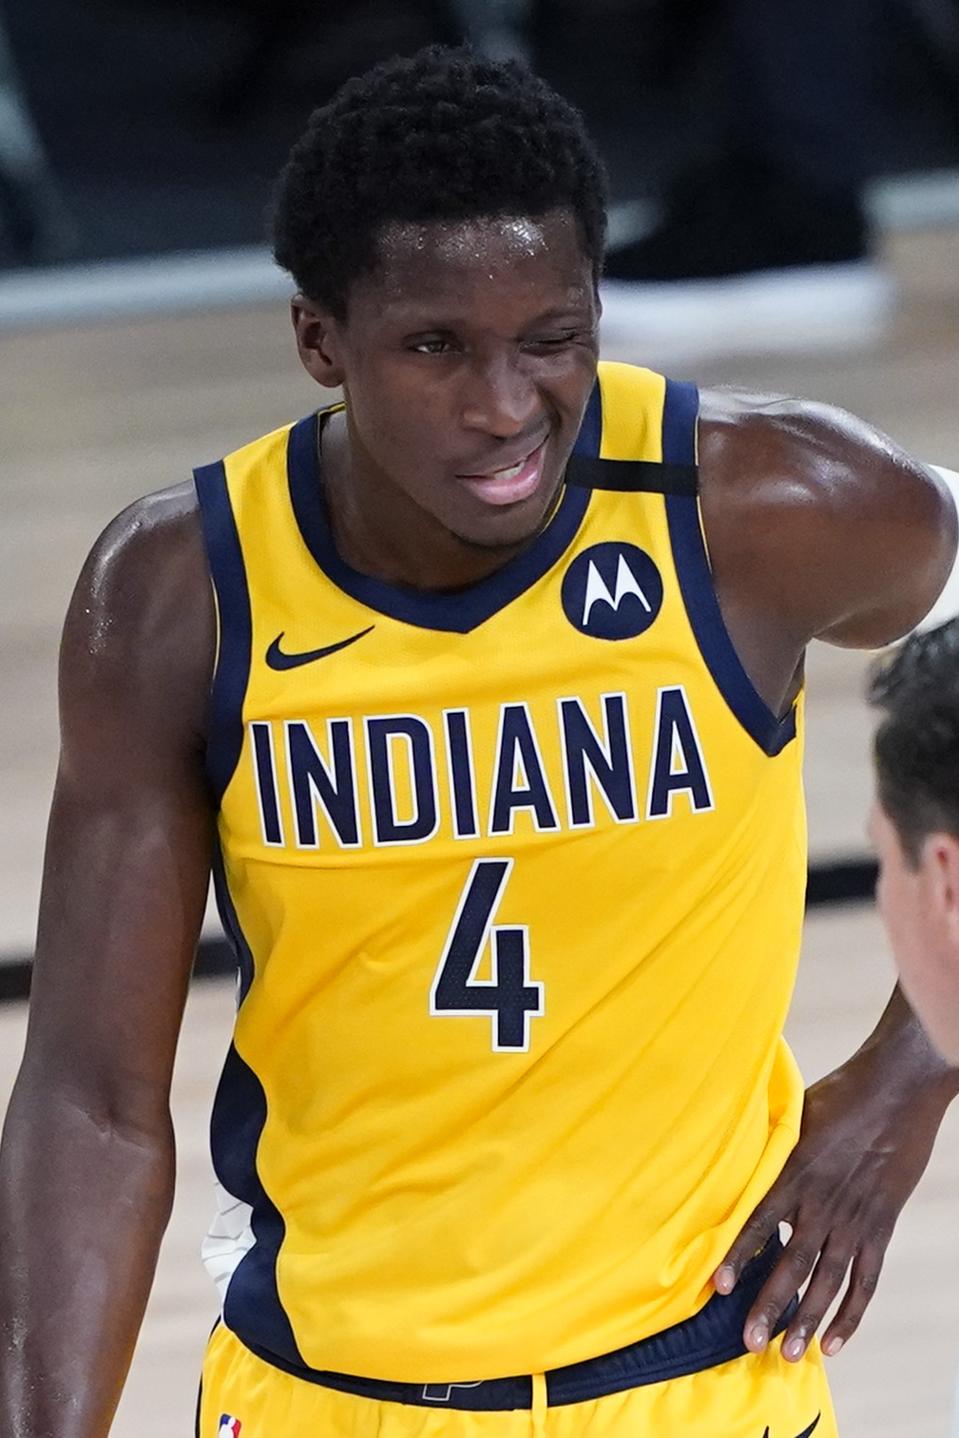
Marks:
<point>612,591</point>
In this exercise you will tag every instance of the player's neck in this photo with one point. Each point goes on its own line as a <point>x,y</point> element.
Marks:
<point>381,532</point>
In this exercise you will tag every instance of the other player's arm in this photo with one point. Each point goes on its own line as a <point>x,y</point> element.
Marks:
<point>87,1159</point>
<point>819,527</point>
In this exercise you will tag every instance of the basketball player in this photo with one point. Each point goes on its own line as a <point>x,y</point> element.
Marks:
<point>491,720</point>
<point>915,824</point>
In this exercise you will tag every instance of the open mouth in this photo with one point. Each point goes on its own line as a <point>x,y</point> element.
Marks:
<point>510,485</point>
<point>510,472</point>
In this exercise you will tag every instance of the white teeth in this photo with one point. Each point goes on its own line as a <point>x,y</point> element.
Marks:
<point>510,473</point>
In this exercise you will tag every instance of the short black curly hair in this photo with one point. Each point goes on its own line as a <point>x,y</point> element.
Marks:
<point>442,135</point>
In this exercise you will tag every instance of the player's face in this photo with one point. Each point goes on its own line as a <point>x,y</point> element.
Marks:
<point>920,909</point>
<point>467,360</point>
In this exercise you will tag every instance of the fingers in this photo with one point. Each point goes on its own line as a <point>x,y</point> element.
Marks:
<point>780,1288</point>
<point>866,1269</point>
<point>758,1229</point>
<point>828,1278</point>
<point>819,1252</point>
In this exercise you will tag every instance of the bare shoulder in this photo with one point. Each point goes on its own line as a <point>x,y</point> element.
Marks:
<point>140,630</point>
<point>764,449</point>
<point>822,518</point>
<point>152,544</point>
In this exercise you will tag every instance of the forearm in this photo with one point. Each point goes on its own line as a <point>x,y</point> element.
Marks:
<point>84,1200</point>
<point>907,1060</point>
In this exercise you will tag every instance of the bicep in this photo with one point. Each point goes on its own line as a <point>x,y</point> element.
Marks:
<point>128,846</point>
<point>125,882</point>
<point>820,526</point>
<point>907,541</point>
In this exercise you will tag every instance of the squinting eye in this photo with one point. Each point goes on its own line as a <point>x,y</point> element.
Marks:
<point>552,342</point>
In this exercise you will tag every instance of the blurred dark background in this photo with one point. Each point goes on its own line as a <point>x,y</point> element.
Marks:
<point>162,123</point>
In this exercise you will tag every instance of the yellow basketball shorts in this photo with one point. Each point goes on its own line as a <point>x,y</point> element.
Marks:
<point>754,1396</point>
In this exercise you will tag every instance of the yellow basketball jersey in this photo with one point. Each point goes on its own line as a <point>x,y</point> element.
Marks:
<point>515,880</point>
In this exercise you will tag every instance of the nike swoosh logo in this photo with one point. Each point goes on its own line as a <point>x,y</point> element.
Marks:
<point>806,1431</point>
<point>277,659</point>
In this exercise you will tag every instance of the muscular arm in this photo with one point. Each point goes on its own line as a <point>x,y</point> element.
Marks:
<point>819,527</point>
<point>87,1161</point>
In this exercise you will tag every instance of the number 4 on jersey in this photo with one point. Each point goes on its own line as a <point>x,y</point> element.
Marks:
<point>510,998</point>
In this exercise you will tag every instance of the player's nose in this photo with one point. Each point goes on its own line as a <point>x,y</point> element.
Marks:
<point>500,398</point>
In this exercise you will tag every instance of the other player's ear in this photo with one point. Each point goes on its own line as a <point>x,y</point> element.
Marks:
<point>939,858</point>
<point>316,341</point>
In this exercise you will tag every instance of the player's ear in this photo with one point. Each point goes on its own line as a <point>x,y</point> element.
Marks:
<point>317,341</point>
<point>940,860</point>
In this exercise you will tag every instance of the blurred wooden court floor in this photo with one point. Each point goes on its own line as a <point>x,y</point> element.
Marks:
<point>92,418</point>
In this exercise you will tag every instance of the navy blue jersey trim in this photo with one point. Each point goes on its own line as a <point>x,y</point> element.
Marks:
<point>712,1336</point>
<point>252,1309</point>
<point>225,557</point>
<point>771,733</point>
<point>680,417</point>
<point>454,613</point>
<point>231,924</point>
